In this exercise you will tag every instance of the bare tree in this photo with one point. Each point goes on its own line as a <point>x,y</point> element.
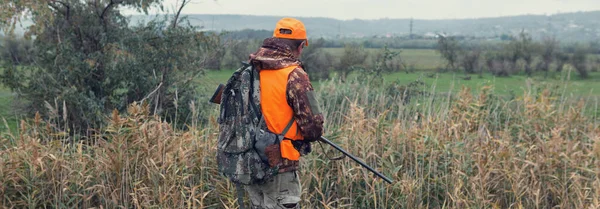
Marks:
<point>180,7</point>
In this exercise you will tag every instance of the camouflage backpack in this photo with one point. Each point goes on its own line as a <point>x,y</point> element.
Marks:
<point>243,136</point>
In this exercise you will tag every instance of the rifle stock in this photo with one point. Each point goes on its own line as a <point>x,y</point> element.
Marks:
<point>216,97</point>
<point>356,160</point>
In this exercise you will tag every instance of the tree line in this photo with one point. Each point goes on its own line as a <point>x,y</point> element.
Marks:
<point>519,55</point>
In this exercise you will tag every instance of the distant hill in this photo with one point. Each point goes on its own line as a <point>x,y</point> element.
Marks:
<point>580,26</point>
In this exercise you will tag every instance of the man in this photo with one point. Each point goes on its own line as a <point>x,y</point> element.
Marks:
<point>287,97</point>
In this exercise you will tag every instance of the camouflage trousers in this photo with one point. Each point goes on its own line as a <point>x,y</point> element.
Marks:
<point>282,191</point>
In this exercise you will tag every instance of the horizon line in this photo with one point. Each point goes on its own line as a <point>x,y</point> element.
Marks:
<point>375,19</point>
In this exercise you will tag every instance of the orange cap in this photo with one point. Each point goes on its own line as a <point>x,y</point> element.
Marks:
<point>297,29</point>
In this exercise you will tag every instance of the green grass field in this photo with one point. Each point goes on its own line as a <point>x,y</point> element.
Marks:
<point>443,82</point>
<point>502,85</point>
<point>6,111</point>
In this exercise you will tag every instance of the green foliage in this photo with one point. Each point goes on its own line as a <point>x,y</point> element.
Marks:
<point>89,62</point>
<point>385,61</point>
<point>595,47</point>
<point>517,49</point>
<point>561,59</point>
<point>44,13</point>
<point>238,50</point>
<point>596,65</point>
<point>470,60</point>
<point>16,50</point>
<point>498,63</point>
<point>449,48</point>
<point>352,59</point>
<point>413,90</point>
<point>247,34</point>
<point>213,49</point>
<point>506,37</point>
<point>415,59</point>
<point>579,61</point>
<point>317,62</point>
<point>549,49</point>
<point>522,48</point>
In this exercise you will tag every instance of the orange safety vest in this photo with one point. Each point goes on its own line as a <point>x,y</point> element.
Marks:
<point>276,111</point>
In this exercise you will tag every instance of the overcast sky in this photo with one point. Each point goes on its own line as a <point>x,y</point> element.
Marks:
<point>375,9</point>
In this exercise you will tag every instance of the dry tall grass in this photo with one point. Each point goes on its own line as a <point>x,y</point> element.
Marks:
<point>468,150</point>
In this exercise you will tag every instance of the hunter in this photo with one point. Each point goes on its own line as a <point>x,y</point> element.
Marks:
<point>286,92</point>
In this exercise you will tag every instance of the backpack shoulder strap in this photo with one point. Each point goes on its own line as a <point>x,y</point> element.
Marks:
<point>240,195</point>
<point>254,77</point>
<point>287,128</point>
<point>257,111</point>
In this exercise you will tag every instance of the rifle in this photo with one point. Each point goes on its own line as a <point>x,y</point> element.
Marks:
<point>356,160</point>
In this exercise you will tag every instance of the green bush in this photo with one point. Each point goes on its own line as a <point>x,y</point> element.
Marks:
<point>579,61</point>
<point>87,65</point>
<point>353,59</point>
<point>316,61</point>
<point>16,50</point>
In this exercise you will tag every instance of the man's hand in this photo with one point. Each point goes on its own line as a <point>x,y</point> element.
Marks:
<point>303,146</point>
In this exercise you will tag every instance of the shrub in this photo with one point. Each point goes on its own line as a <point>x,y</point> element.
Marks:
<point>579,61</point>
<point>352,59</point>
<point>317,62</point>
<point>95,63</point>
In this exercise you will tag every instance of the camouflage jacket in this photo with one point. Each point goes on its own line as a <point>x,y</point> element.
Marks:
<point>300,96</point>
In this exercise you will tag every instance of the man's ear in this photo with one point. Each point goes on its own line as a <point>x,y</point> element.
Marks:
<point>301,47</point>
<point>298,52</point>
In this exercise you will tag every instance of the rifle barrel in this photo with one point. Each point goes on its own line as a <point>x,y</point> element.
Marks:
<point>356,160</point>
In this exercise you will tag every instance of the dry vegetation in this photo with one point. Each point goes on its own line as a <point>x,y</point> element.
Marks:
<point>468,150</point>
